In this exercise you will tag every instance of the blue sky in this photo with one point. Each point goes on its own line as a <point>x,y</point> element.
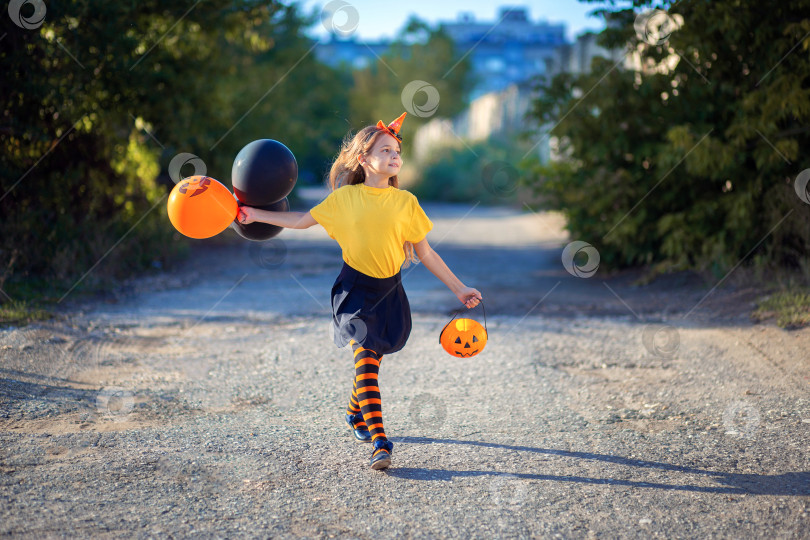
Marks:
<point>383,18</point>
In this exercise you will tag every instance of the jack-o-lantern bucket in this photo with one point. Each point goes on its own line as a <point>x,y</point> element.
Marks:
<point>464,338</point>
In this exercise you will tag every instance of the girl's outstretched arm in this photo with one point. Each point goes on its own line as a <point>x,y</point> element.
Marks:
<point>467,295</point>
<point>288,220</point>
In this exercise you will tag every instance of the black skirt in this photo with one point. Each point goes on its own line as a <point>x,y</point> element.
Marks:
<point>372,311</point>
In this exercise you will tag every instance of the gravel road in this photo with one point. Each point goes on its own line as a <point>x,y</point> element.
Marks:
<point>208,402</point>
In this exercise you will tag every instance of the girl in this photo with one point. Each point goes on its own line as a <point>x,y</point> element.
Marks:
<point>379,227</point>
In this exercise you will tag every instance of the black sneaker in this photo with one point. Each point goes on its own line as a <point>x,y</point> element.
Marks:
<point>381,455</point>
<point>361,434</point>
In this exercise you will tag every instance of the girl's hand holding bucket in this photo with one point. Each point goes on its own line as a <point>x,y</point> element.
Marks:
<point>469,297</point>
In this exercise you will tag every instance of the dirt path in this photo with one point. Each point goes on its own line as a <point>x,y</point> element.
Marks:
<point>208,402</point>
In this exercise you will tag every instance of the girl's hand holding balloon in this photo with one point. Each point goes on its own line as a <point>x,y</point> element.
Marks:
<point>246,215</point>
<point>469,297</point>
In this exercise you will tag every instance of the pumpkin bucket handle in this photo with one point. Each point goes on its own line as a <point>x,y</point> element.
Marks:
<point>456,314</point>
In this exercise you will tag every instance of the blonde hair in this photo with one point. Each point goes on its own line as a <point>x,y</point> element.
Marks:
<point>346,170</point>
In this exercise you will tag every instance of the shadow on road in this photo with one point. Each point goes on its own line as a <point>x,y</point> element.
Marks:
<point>40,396</point>
<point>791,483</point>
<point>49,389</point>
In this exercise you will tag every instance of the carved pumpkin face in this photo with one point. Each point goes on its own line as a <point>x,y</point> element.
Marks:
<point>196,185</point>
<point>463,338</point>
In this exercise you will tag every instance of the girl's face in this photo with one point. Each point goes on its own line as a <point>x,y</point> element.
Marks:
<point>384,157</point>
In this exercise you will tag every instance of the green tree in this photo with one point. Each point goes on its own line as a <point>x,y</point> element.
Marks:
<point>275,89</point>
<point>100,96</point>
<point>692,166</point>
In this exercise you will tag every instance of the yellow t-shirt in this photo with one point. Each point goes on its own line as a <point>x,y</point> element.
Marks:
<point>371,225</point>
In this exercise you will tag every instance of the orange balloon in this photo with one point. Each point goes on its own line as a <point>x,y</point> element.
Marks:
<point>201,207</point>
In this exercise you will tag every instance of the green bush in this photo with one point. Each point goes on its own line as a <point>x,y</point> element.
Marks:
<point>791,308</point>
<point>693,166</point>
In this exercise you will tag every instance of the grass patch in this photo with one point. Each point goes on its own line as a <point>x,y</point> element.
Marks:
<point>791,308</point>
<point>20,312</point>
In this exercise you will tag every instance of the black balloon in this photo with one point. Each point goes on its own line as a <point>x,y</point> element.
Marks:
<point>264,172</point>
<point>261,231</point>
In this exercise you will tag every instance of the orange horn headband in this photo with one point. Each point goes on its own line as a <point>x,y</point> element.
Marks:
<point>393,127</point>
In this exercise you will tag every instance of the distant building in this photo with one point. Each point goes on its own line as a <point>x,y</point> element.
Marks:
<point>576,57</point>
<point>505,55</point>
<point>495,113</point>
<point>350,52</point>
<point>503,111</point>
<point>506,51</point>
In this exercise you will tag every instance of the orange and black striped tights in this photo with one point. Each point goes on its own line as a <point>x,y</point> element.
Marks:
<point>366,391</point>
